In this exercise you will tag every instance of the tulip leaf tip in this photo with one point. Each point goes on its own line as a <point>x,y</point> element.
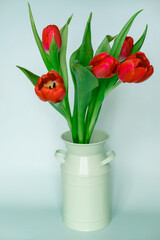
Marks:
<point>18,67</point>
<point>140,10</point>
<point>69,19</point>
<point>145,31</point>
<point>90,17</point>
<point>29,5</point>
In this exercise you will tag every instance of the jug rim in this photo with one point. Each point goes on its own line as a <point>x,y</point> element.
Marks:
<point>98,134</point>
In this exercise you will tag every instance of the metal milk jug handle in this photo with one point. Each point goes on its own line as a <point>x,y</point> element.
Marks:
<point>59,158</point>
<point>109,156</point>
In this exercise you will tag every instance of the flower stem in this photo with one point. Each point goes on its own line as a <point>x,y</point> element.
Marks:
<point>67,108</point>
<point>74,118</point>
<point>94,110</point>
<point>95,107</point>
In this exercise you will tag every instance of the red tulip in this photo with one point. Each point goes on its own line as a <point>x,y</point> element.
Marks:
<point>135,69</point>
<point>47,35</point>
<point>50,87</point>
<point>104,66</point>
<point>126,48</point>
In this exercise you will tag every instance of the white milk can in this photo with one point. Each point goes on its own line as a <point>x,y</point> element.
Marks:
<point>85,172</point>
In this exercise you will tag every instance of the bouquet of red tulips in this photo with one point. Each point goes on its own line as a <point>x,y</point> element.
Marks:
<point>94,75</point>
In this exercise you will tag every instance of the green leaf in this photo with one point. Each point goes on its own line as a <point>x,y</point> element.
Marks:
<point>31,76</point>
<point>75,118</point>
<point>94,109</point>
<point>63,64</point>
<point>85,82</point>
<point>105,46</point>
<point>117,45</point>
<point>73,60</point>
<point>86,50</point>
<point>110,38</point>
<point>62,53</point>
<point>53,53</point>
<point>137,46</point>
<point>84,53</point>
<point>44,55</point>
<point>69,19</point>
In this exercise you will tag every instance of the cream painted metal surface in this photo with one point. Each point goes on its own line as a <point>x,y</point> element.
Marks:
<point>85,172</point>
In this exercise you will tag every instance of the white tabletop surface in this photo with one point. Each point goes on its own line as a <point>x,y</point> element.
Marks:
<point>46,224</point>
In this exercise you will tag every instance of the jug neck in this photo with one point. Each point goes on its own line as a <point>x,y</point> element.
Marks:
<point>95,146</point>
<point>85,149</point>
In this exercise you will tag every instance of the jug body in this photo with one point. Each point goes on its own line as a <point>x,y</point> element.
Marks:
<point>85,172</point>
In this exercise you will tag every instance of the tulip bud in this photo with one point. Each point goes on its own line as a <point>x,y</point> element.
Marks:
<point>50,87</point>
<point>48,33</point>
<point>135,69</point>
<point>104,66</point>
<point>126,48</point>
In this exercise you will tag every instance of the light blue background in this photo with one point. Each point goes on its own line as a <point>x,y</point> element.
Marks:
<point>30,188</point>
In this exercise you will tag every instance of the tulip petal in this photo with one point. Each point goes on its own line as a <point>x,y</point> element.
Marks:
<point>144,61</point>
<point>46,92</point>
<point>127,71</point>
<point>57,36</point>
<point>101,70</point>
<point>132,56</point>
<point>141,56</point>
<point>150,71</point>
<point>50,93</point>
<point>116,67</point>
<point>54,95</point>
<point>104,65</point>
<point>129,41</point>
<point>58,93</point>
<point>48,33</point>
<point>98,58</point>
<point>58,77</point>
<point>141,66</point>
<point>139,74</point>
<point>126,48</point>
<point>40,95</point>
<point>53,76</point>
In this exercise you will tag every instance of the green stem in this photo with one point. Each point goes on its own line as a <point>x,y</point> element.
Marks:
<point>69,123</point>
<point>91,109</point>
<point>74,118</point>
<point>95,107</point>
<point>94,110</point>
<point>67,108</point>
<point>81,127</point>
